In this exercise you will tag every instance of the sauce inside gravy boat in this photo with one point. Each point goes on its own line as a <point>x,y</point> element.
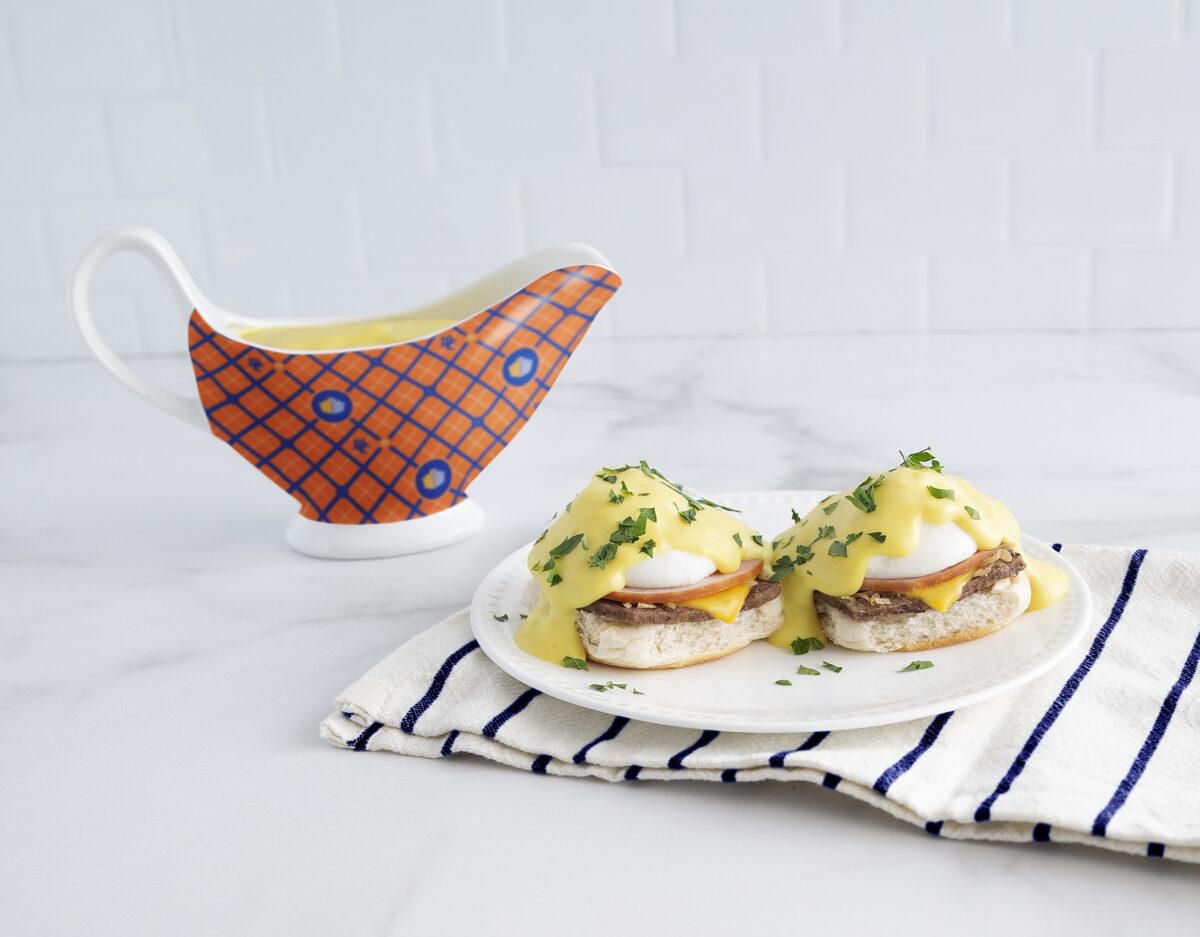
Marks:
<point>375,426</point>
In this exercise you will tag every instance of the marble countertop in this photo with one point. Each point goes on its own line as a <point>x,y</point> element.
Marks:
<point>165,659</point>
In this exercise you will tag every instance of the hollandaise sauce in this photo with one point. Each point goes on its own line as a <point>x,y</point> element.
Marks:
<point>329,336</point>
<point>622,517</point>
<point>828,549</point>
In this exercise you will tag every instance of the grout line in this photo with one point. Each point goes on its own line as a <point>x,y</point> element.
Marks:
<point>504,15</point>
<point>1006,201</point>
<point>841,223</point>
<point>1091,103</point>
<point>338,39</point>
<point>516,194</point>
<point>1179,21</point>
<point>428,107</point>
<point>673,31</point>
<point>1089,289</point>
<point>593,89</point>
<point>681,177</point>
<point>837,27</point>
<point>1172,189</point>
<point>925,105</point>
<point>754,84</point>
<point>273,173</point>
<point>1008,24</point>
<point>763,319</point>
<point>354,200</point>
<point>925,293</point>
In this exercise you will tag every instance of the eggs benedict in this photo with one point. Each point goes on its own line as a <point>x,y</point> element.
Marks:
<point>636,572</point>
<point>910,559</point>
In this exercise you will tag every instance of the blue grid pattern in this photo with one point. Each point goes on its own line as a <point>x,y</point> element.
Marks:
<point>442,397</point>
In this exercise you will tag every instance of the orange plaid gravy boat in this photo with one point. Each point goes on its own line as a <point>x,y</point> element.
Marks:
<point>378,440</point>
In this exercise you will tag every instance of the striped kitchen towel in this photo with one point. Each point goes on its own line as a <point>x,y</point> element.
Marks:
<point>1104,749</point>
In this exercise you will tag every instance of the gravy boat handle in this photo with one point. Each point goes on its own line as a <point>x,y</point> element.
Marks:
<point>152,246</point>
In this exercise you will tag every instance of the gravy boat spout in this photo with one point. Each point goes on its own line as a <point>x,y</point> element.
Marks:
<point>375,426</point>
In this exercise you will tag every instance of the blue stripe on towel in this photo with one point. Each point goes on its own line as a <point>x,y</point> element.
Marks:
<point>1041,832</point>
<point>618,723</point>
<point>409,722</point>
<point>1165,712</point>
<point>448,745</point>
<point>632,772</point>
<point>1154,850</point>
<point>1056,547</point>
<point>934,827</point>
<point>729,775</point>
<point>497,721</point>
<point>676,760</point>
<point>889,777</point>
<point>983,812</point>
<point>776,760</point>
<point>831,780</point>
<point>539,764</point>
<point>360,744</point>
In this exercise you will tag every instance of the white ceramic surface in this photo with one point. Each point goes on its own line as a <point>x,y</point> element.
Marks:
<point>738,693</point>
<point>165,659</point>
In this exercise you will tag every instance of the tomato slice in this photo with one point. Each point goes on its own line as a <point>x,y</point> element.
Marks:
<point>717,582</point>
<point>971,563</point>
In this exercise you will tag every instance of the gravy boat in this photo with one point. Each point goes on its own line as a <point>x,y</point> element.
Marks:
<point>375,426</point>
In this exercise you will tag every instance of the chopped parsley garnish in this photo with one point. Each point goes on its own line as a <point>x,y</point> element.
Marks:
<point>825,533</point>
<point>630,530</point>
<point>648,547</point>
<point>795,517</point>
<point>688,516</point>
<point>737,538</point>
<point>974,515</point>
<point>783,682</point>
<point>807,671</point>
<point>757,538</point>
<point>575,663</point>
<point>503,617</point>
<point>943,494</point>
<point>917,665</point>
<point>804,645</point>
<point>523,616</point>
<point>828,666</point>
<point>783,567</point>
<point>830,507</point>
<point>609,685</point>
<point>601,557</point>
<point>863,497</point>
<point>854,536</point>
<point>918,460</point>
<point>606,476</point>
<point>877,536</point>
<point>569,544</point>
<point>614,498</point>
<point>837,548</point>
<point>554,579</point>
<point>542,535</point>
<point>549,565</point>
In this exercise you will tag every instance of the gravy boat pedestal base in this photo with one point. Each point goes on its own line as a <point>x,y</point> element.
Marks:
<point>373,541</point>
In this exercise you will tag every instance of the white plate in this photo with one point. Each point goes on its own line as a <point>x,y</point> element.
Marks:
<point>738,693</point>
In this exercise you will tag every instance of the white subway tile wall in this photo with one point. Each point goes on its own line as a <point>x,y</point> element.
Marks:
<point>752,166</point>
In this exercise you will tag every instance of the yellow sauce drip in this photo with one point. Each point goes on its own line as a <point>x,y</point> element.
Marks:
<point>903,502</point>
<point>330,336</point>
<point>550,632</point>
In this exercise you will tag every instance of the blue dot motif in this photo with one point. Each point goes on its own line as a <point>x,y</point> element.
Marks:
<point>332,406</point>
<point>433,478</point>
<point>520,366</point>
